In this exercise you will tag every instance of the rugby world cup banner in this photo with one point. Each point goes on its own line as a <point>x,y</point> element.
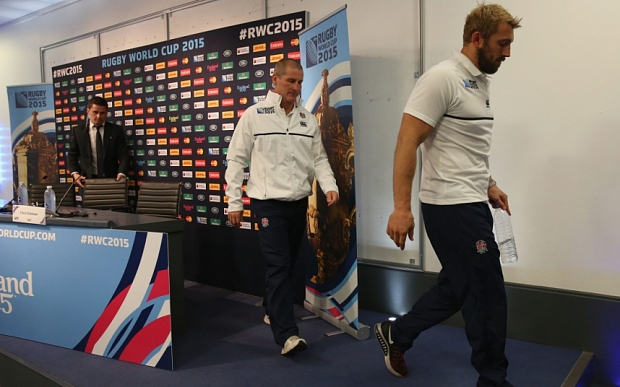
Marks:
<point>33,134</point>
<point>99,291</point>
<point>331,250</point>
<point>179,102</point>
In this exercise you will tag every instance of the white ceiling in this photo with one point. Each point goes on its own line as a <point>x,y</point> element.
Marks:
<point>17,10</point>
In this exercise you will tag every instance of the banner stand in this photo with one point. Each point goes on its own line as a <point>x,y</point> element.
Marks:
<point>330,251</point>
<point>361,333</point>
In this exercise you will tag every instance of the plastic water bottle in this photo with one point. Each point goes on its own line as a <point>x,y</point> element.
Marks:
<point>22,194</point>
<point>505,237</point>
<point>49,198</point>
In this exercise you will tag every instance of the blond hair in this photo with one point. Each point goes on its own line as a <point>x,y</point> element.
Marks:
<point>486,18</point>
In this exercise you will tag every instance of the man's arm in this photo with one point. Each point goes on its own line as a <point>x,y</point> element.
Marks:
<point>322,170</point>
<point>239,153</point>
<point>413,132</point>
<point>123,154</point>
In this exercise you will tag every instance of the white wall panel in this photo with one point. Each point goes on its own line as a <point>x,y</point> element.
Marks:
<point>214,15</point>
<point>135,35</point>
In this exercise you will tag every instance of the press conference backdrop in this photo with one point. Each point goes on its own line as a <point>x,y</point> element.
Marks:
<point>555,141</point>
<point>179,102</point>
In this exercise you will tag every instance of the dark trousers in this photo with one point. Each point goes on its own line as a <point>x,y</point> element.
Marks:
<point>470,280</point>
<point>281,227</point>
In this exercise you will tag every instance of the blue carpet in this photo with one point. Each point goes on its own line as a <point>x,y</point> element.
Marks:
<point>227,344</point>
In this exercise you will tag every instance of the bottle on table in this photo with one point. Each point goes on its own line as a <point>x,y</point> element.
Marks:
<point>49,198</point>
<point>505,237</point>
<point>22,194</point>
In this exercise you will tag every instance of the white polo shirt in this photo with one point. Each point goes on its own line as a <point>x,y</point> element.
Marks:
<point>453,97</point>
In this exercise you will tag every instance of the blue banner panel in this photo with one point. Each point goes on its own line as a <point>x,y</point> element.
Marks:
<point>331,249</point>
<point>99,291</point>
<point>33,133</point>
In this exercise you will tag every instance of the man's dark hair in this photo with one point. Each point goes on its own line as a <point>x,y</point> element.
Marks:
<point>97,101</point>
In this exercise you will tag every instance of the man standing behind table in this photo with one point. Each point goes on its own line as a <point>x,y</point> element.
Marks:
<point>282,141</point>
<point>98,148</point>
<point>450,116</point>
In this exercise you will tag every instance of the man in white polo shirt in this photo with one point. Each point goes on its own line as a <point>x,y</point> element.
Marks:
<point>449,115</point>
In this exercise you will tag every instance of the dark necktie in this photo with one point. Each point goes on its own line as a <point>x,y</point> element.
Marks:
<point>100,167</point>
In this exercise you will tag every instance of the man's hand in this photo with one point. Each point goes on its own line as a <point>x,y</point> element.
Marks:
<point>120,176</point>
<point>498,198</point>
<point>400,225</point>
<point>332,198</point>
<point>235,218</point>
<point>79,179</point>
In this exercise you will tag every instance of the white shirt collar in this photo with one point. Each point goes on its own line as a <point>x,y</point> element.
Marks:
<point>468,64</point>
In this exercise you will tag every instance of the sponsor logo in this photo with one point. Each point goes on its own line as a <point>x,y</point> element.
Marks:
<point>259,60</point>
<point>276,45</point>
<point>188,174</point>
<point>228,102</point>
<point>199,93</point>
<point>187,83</point>
<point>228,65</point>
<point>199,128</point>
<point>276,58</point>
<point>186,72</point>
<point>199,58</point>
<point>199,82</point>
<point>201,175</point>
<point>228,114</point>
<point>259,73</point>
<point>244,75</point>
<point>212,55</point>
<point>173,63</point>
<point>294,55</point>
<point>243,63</point>
<point>259,86</point>
<point>227,127</point>
<point>259,47</point>
<point>213,103</point>
<point>213,116</point>
<point>243,88</point>
<point>243,50</point>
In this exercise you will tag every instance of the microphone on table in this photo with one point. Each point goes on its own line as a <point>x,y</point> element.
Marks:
<point>63,198</point>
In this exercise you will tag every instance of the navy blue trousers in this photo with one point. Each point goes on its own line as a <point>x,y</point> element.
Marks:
<point>471,281</point>
<point>281,228</point>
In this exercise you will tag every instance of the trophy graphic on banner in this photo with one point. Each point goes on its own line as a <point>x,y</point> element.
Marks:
<point>35,156</point>
<point>329,228</point>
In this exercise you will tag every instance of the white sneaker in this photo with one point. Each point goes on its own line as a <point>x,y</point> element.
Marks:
<point>294,344</point>
<point>266,320</point>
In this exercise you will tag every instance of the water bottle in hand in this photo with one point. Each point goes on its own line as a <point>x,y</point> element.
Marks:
<point>49,198</point>
<point>22,194</point>
<point>505,237</point>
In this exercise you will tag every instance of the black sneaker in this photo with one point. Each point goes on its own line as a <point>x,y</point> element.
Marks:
<point>394,358</point>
